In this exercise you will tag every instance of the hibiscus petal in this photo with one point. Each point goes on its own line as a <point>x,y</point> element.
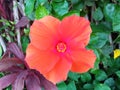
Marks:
<point>83,60</point>
<point>75,28</point>
<point>51,22</point>
<point>42,61</point>
<point>43,32</point>
<point>59,72</point>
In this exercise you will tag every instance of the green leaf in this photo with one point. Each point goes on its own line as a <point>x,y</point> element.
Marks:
<point>107,50</point>
<point>74,1</point>
<point>57,0</point>
<point>106,61</point>
<point>62,86</point>
<point>29,6</point>
<point>75,12</point>
<point>40,12</point>
<point>48,7</point>
<point>105,27</point>
<point>89,2</point>
<point>95,82</point>
<point>97,54</point>
<point>73,76</point>
<point>1,51</point>
<point>78,6</point>
<point>25,42</point>
<point>88,86</point>
<point>71,86</point>
<point>1,74</point>
<point>116,19</point>
<point>109,11</point>
<point>41,2</point>
<point>60,8</point>
<point>101,87</point>
<point>96,65</point>
<point>98,40</point>
<point>110,82</point>
<point>98,15</point>
<point>26,31</point>
<point>12,33</point>
<point>118,73</point>
<point>9,88</point>
<point>85,77</point>
<point>100,75</point>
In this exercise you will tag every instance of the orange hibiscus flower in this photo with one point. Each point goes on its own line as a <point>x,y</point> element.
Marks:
<point>59,46</point>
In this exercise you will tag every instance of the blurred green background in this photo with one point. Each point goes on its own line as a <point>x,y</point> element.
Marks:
<point>104,16</point>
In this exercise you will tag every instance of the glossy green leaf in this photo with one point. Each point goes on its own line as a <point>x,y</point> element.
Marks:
<point>102,27</point>
<point>118,73</point>
<point>78,6</point>
<point>71,86</point>
<point>98,15</point>
<point>1,74</point>
<point>88,86</point>
<point>41,1</point>
<point>29,6</point>
<point>110,82</point>
<point>98,40</point>
<point>89,2</point>
<point>60,8</point>
<point>40,12</point>
<point>25,42</point>
<point>107,50</point>
<point>101,87</point>
<point>74,1</point>
<point>75,12</point>
<point>62,86</point>
<point>109,11</point>
<point>116,19</point>
<point>100,75</point>
<point>85,77</point>
<point>73,76</point>
<point>57,0</point>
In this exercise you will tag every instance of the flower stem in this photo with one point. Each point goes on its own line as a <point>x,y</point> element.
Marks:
<point>110,39</point>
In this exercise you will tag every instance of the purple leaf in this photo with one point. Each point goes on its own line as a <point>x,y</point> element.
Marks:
<point>32,82</point>
<point>19,82</point>
<point>12,47</point>
<point>2,11</point>
<point>1,1</point>
<point>23,22</point>
<point>14,69</point>
<point>7,5</point>
<point>45,83</point>
<point>6,63</point>
<point>7,80</point>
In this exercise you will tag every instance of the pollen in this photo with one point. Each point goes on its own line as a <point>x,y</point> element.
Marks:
<point>61,47</point>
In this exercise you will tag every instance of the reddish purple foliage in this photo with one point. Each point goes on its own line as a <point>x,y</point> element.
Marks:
<point>7,80</point>
<point>22,22</point>
<point>18,73</point>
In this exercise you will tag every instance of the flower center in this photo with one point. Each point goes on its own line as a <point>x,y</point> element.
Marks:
<point>61,47</point>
